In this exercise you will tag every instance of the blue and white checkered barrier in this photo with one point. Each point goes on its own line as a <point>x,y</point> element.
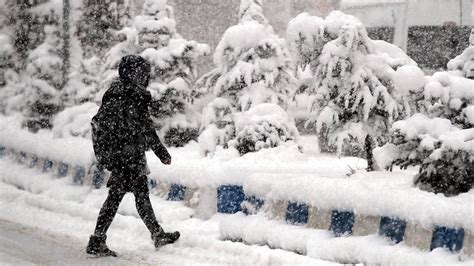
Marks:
<point>81,174</point>
<point>230,199</point>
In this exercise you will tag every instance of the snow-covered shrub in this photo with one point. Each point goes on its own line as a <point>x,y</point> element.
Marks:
<point>75,121</point>
<point>450,168</point>
<point>450,96</point>
<point>173,59</point>
<point>444,153</point>
<point>44,69</point>
<point>263,126</point>
<point>218,126</point>
<point>253,67</point>
<point>412,141</point>
<point>355,93</point>
<point>464,62</point>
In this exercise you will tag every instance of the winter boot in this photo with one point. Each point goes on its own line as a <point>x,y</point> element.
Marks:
<point>98,247</point>
<point>165,238</point>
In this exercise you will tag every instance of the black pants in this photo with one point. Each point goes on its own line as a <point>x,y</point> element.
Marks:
<point>110,207</point>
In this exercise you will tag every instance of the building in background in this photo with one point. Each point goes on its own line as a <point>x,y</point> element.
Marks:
<point>430,31</point>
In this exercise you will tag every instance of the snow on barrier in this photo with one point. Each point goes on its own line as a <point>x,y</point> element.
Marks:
<point>344,214</point>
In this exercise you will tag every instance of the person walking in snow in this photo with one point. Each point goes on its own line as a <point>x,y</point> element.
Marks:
<point>122,132</point>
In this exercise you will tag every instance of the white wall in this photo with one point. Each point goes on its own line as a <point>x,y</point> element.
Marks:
<point>419,12</point>
<point>402,14</point>
<point>436,12</point>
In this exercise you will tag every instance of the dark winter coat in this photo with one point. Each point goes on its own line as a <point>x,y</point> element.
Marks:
<point>127,101</point>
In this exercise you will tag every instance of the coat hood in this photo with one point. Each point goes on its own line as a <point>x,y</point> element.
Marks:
<point>134,69</point>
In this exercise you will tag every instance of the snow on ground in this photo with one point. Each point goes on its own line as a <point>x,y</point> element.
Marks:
<point>23,245</point>
<point>32,202</point>
<point>227,167</point>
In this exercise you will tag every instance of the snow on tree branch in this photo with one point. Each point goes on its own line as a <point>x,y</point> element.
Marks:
<point>253,67</point>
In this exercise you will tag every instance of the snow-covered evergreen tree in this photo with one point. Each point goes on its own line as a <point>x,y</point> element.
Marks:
<point>450,94</point>
<point>9,78</point>
<point>173,59</point>
<point>28,19</point>
<point>44,69</point>
<point>253,67</point>
<point>83,84</point>
<point>218,125</point>
<point>22,29</point>
<point>464,63</point>
<point>99,20</point>
<point>6,54</point>
<point>354,92</point>
<point>96,28</point>
<point>306,39</point>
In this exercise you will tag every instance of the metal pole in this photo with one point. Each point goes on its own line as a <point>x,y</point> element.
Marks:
<point>66,41</point>
<point>405,28</point>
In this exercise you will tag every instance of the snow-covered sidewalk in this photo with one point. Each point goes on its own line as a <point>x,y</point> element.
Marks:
<point>24,245</point>
<point>35,208</point>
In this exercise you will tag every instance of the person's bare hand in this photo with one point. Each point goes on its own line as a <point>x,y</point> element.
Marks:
<point>167,161</point>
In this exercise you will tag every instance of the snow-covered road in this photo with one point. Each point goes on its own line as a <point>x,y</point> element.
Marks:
<point>48,221</point>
